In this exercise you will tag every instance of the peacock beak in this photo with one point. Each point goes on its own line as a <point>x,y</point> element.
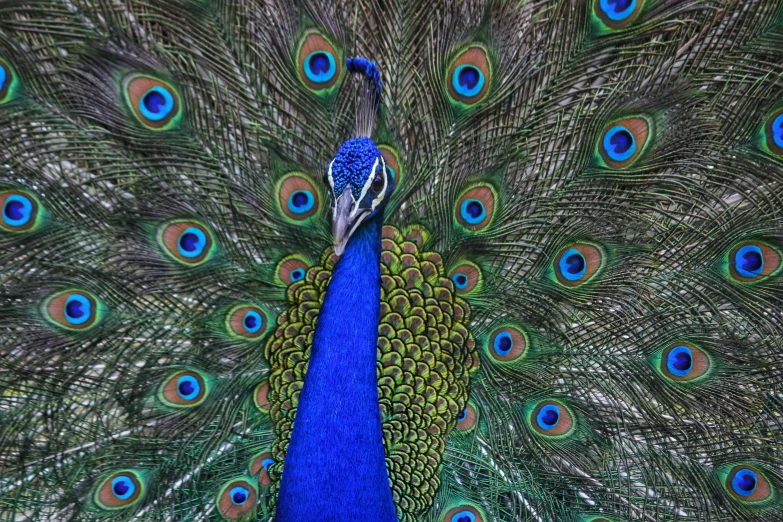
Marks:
<point>346,218</point>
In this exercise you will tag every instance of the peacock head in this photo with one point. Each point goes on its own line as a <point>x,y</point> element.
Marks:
<point>360,186</point>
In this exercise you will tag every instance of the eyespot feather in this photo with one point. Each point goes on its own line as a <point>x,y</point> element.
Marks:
<point>154,102</point>
<point>187,241</point>
<point>73,309</point>
<point>120,489</point>
<point>237,499</point>
<point>469,77</point>
<point>186,388</point>
<point>319,64</point>
<point>20,211</point>
<point>616,14</point>
<point>298,199</point>
<point>623,141</point>
<point>578,263</point>
<point>752,261</point>
<point>475,207</point>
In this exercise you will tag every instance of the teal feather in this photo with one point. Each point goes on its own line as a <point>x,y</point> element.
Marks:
<point>663,349</point>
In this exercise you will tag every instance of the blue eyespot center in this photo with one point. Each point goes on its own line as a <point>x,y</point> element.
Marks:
<point>239,495</point>
<point>17,210</point>
<point>297,274</point>
<point>77,309</point>
<point>777,130</point>
<point>572,264</point>
<point>472,211</point>
<point>156,104</point>
<point>460,280</point>
<point>619,143</point>
<point>301,201</point>
<point>462,415</point>
<point>192,242</point>
<point>749,261</point>
<point>253,321</point>
<point>680,361</point>
<point>744,482</point>
<point>188,387</point>
<point>618,10</point>
<point>467,80</point>
<point>122,487</point>
<point>3,76</point>
<point>320,66</point>
<point>464,516</point>
<point>503,343</point>
<point>266,463</point>
<point>548,417</point>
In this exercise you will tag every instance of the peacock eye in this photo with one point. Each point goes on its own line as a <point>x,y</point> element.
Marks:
<point>188,242</point>
<point>120,490</point>
<point>237,500</point>
<point>183,389</point>
<point>154,102</point>
<point>748,484</point>
<point>751,261</point>
<point>623,141</point>
<point>19,211</point>
<point>319,64</point>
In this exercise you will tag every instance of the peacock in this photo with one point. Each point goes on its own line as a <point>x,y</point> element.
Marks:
<point>391,260</point>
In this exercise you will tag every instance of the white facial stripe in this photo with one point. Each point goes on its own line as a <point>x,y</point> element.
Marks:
<point>377,201</point>
<point>331,178</point>
<point>365,188</point>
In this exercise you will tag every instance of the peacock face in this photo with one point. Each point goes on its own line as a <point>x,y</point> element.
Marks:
<point>360,186</point>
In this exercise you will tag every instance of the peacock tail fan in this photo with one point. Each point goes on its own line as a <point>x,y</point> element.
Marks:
<point>580,269</point>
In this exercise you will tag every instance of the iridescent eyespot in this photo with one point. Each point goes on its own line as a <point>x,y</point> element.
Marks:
<point>247,321</point>
<point>260,466</point>
<point>469,76</point>
<point>617,13</point>
<point>747,484</point>
<point>393,165</point>
<point>188,242</point>
<point>751,261</point>
<point>184,388</point>
<point>19,211</point>
<point>552,419</point>
<point>119,490</point>
<point>297,198</point>
<point>237,499</point>
<point>261,397</point>
<point>466,420</point>
<point>154,102</point>
<point>683,362</point>
<point>476,207</point>
<point>463,513</point>
<point>507,344</point>
<point>773,132</point>
<point>8,82</point>
<point>578,263</point>
<point>623,141</point>
<point>466,277</point>
<point>291,269</point>
<point>319,63</point>
<point>73,309</point>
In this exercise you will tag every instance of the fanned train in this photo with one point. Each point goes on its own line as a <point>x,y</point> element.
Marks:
<point>392,260</point>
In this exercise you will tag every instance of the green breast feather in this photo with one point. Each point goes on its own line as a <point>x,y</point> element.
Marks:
<point>425,357</point>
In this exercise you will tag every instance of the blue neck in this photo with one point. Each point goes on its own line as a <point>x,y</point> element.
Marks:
<point>335,467</point>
